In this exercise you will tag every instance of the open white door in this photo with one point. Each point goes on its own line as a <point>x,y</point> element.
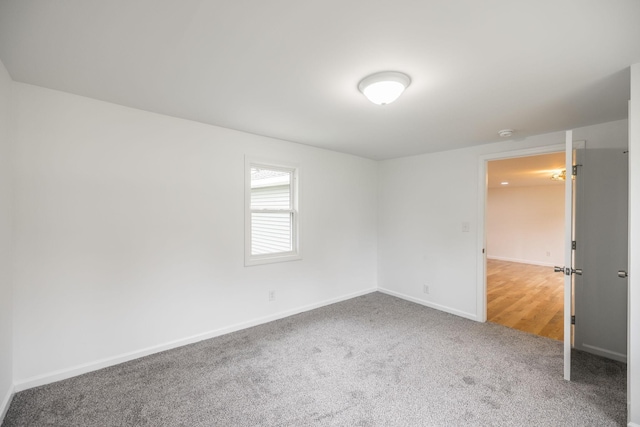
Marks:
<point>568,269</point>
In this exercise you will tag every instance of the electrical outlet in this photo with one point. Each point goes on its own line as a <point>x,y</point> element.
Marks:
<point>548,253</point>
<point>466,227</point>
<point>272,295</point>
<point>425,289</point>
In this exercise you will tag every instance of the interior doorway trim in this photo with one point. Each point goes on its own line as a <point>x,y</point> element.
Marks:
<point>483,160</point>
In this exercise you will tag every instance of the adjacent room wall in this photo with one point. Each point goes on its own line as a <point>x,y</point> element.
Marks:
<point>6,238</point>
<point>422,218</point>
<point>526,224</point>
<point>130,233</point>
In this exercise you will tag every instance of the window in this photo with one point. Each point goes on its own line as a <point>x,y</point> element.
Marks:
<point>271,221</point>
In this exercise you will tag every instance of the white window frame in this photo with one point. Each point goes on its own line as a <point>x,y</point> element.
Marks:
<point>295,253</point>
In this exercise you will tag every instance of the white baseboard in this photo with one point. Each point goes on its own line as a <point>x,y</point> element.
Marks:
<point>4,405</point>
<point>522,261</point>
<point>429,304</point>
<point>603,352</point>
<point>110,361</point>
<point>633,425</point>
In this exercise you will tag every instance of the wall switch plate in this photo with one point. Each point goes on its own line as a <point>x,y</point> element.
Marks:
<point>272,295</point>
<point>465,227</point>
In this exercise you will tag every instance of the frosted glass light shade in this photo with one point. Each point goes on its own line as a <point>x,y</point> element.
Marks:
<point>384,88</point>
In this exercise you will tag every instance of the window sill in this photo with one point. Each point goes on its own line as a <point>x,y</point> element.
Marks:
<point>271,259</point>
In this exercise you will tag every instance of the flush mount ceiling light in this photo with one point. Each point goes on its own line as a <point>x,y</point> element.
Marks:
<point>559,175</point>
<point>505,133</point>
<point>385,87</point>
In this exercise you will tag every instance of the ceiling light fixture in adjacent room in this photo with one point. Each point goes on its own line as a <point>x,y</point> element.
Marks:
<point>559,175</point>
<point>505,133</point>
<point>385,87</point>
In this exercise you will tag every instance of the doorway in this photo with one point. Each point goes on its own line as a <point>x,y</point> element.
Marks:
<point>524,226</point>
<point>600,303</point>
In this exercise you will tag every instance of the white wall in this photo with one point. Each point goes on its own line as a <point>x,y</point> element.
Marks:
<point>423,202</point>
<point>634,249</point>
<point>6,336</point>
<point>130,231</point>
<point>526,224</point>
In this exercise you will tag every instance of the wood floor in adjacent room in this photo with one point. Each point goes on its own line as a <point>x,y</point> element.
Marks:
<point>525,297</point>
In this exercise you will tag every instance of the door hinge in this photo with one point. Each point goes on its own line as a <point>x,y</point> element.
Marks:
<point>574,170</point>
<point>573,245</point>
<point>573,320</point>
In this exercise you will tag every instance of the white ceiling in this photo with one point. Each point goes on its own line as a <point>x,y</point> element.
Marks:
<point>289,68</point>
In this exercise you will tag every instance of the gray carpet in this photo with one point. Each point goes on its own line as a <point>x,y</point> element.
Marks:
<point>371,361</point>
